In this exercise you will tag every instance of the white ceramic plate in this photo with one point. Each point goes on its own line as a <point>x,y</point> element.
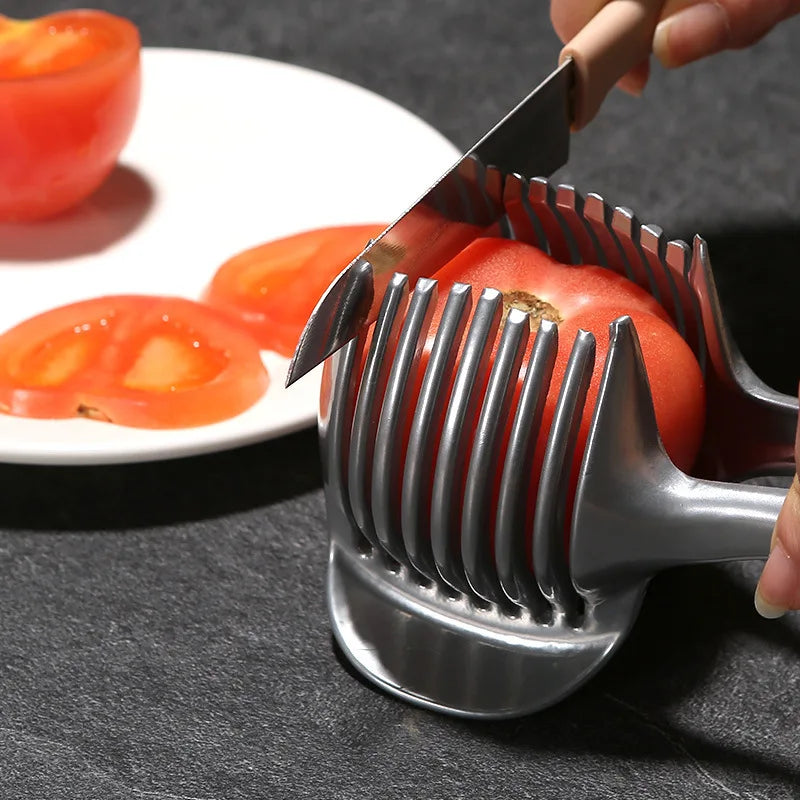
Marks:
<point>228,152</point>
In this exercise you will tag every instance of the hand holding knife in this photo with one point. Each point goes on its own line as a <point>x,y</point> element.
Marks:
<point>532,140</point>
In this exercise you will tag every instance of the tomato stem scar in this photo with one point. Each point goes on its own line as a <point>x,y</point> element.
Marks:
<point>531,304</point>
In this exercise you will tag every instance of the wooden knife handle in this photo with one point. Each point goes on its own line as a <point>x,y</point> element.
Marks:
<point>617,38</point>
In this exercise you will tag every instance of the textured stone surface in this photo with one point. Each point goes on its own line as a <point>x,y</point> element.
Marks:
<point>163,632</point>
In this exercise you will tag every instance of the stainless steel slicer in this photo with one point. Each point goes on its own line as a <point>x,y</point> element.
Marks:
<point>431,591</point>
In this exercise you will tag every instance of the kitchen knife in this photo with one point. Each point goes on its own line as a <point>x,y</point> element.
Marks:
<point>532,140</point>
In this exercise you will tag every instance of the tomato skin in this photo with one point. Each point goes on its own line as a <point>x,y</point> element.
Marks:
<point>134,360</point>
<point>272,289</point>
<point>676,383</point>
<point>63,125</point>
<point>590,298</point>
<point>508,265</point>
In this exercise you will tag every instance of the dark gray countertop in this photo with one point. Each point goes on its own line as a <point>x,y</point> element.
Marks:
<point>163,632</point>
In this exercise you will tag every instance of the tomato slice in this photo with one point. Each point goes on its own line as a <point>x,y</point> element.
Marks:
<point>135,360</point>
<point>69,93</point>
<point>273,288</point>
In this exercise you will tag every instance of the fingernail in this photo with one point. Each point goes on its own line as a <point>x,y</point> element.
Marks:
<point>692,33</point>
<point>631,85</point>
<point>767,610</point>
<point>778,573</point>
<point>635,79</point>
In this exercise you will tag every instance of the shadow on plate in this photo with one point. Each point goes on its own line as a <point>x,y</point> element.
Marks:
<point>113,212</point>
<point>133,496</point>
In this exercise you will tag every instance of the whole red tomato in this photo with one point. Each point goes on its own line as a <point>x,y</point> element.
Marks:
<point>586,297</point>
<point>69,93</point>
<point>136,360</point>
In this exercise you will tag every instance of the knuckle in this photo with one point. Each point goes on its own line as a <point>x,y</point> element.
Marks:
<point>568,17</point>
<point>751,20</point>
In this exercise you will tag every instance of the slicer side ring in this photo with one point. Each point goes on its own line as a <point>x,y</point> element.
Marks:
<point>448,659</point>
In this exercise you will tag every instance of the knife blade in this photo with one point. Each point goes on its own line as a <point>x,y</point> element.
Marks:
<point>531,140</point>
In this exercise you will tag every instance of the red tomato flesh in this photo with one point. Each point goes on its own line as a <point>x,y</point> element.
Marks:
<point>273,288</point>
<point>69,93</point>
<point>140,361</point>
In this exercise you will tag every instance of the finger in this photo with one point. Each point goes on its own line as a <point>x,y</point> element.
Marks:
<point>635,80</point>
<point>693,29</point>
<point>779,586</point>
<point>570,16</point>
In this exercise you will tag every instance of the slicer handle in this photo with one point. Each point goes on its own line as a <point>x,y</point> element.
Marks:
<point>617,38</point>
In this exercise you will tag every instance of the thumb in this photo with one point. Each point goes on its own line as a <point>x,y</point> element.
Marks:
<point>693,29</point>
<point>778,589</point>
